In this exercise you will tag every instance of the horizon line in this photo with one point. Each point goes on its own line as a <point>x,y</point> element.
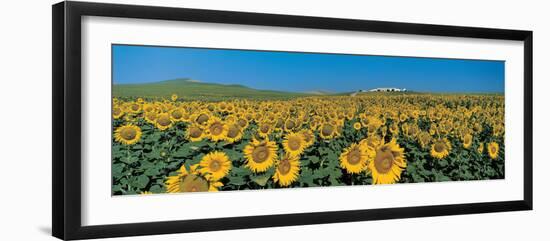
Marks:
<point>191,80</point>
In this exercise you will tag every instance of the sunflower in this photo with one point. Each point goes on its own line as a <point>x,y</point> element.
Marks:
<point>433,129</point>
<point>128,134</point>
<point>480,148</point>
<point>412,130</point>
<point>134,107</point>
<point>287,170</point>
<point>357,126</point>
<point>290,124</point>
<point>186,117</point>
<point>492,149</point>
<point>230,108</point>
<point>260,155</point>
<point>194,133</point>
<point>388,163</point>
<point>150,117</point>
<point>202,118</point>
<point>441,148</point>
<point>117,112</point>
<point>374,124</point>
<point>279,123</point>
<point>231,119</point>
<point>394,129</point>
<point>327,131</point>
<point>424,139</point>
<point>309,137</point>
<point>355,158</point>
<point>222,106</point>
<point>174,97</point>
<point>149,107</point>
<point>467,141</point>
<point>264,129</point>
<point>163,121</point>
<point>294,144</point>
<point>243,122</point>
<point>498,130</point>
<point>216,129</point>
<point>234,133</point>
<point>146,193</point>
<point>177,114</point>
<point>215,165</point>
<point>190,181</point>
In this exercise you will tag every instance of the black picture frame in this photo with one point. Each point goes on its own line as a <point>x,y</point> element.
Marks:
<point>66,159</point>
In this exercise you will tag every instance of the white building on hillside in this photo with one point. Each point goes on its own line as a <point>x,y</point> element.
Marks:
<point>379,90</point>
<point>386,90</point>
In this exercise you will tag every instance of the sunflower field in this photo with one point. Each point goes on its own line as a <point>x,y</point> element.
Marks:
<point>172,145</point>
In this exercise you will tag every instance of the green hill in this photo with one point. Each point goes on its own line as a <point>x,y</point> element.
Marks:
<point>193,89</point>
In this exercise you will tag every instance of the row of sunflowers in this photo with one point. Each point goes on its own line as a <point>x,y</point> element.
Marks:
<point>173,146</point>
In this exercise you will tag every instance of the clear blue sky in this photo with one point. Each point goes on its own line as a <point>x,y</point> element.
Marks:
<point>300,72</point>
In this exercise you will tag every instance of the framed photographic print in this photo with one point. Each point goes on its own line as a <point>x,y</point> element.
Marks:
<point>170,120</point>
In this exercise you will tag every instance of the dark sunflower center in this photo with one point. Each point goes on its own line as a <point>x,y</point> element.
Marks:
<point>164,120</point>
<point>116,111</point>
<point>215,165</point>
<point>216,129</point>
<point>279,123</point>
<point>327,130</point>
<point>264,128</point>
<point>284,167</point>
<point>195,132</point>
<point>202,118</point>
<point>294,143</point>
<point>193,183</point>
<point>260,154</point>
<point>177,114</point>
<point>233,131</point>
<point>242,122</point>
<point>440,147</point>
<point>150,115</point>
<point>383,160</point>
<point>128,133</point>
<point>135,107</point>
<point>290,124</point>
<point>493,149</point>
<point>354,156</point>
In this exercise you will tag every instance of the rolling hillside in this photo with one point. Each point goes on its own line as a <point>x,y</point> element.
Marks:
<point>192,89</point>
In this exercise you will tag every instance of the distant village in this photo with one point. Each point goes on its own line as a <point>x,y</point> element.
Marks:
<point>380,90</point>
